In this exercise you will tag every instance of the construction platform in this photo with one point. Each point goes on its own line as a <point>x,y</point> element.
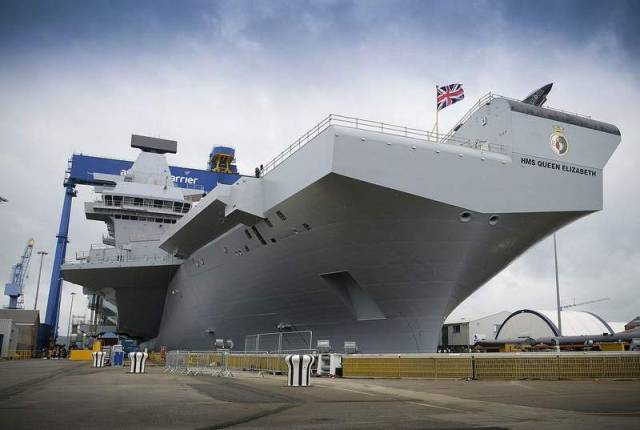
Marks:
<point>72,395</point>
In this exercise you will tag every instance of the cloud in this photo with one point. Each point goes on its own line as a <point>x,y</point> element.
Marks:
<point>257,75</point>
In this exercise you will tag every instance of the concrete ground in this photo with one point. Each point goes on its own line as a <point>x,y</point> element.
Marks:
<point>45,394</point>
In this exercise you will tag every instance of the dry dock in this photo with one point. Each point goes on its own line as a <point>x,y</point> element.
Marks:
<point>37,394</point>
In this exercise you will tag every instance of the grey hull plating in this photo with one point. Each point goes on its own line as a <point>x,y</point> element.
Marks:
<point>413,257</point>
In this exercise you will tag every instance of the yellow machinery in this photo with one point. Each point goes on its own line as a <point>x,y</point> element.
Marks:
<point>221,160</point>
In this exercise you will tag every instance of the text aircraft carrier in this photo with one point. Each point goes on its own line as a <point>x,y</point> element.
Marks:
<point>360,231</point>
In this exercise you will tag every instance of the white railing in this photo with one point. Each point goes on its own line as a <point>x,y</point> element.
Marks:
<point>221,362</point>
<point>155,208</point>
<point>277,342</point>
<point>189,186</point>
<point>104,254</point>
<point>486,99</point>
<point>378,127</point>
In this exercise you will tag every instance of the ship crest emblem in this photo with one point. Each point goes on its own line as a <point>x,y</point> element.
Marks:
<point>559,142</point>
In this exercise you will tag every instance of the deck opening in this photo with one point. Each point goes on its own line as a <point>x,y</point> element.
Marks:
<point>258,235</point>
<point>354,296</point>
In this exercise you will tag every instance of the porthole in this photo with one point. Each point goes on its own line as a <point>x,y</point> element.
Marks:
<point>493,219</point>
<point>281,215</point>
<point>246,248</point>
<point>306,226</point>
<point>267,221</point>
<point>246,232</point>
<point>465,216</point>
<point>273,240</point>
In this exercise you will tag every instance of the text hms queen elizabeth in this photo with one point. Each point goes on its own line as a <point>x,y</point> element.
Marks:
<point>563,167</point>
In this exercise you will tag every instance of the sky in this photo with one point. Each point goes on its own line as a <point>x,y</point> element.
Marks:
<point>82,76</point>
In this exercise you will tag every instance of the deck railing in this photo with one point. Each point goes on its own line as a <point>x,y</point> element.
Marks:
<point>99,253</point>
<point>164,209</point>
<point>487,99</point>
<point>378,127</point>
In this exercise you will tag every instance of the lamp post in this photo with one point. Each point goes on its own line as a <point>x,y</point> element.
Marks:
<point>41,254</point>
<point>69,326</point>
<point>555,256</point>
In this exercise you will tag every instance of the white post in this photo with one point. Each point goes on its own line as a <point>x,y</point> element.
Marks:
<point>69,326</point>
<point>555,255</point>
<point>41,254</point>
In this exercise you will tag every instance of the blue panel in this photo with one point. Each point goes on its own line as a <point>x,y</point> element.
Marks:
<point>12,290</point>
<point>84,166</point>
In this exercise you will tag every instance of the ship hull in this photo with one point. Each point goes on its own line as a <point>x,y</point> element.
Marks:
<point>366,232</point>
<point>351,261</point>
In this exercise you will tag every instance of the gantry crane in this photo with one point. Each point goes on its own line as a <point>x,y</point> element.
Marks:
<point>15,286</point>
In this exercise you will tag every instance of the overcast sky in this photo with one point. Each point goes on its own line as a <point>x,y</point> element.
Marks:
<point>82,76</point>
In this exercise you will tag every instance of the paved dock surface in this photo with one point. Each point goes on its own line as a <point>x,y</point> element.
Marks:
<point>50,394</point>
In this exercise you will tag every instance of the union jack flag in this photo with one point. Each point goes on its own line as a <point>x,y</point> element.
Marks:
<point>449,94</point>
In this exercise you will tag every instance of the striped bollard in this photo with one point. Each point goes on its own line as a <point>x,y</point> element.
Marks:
<point>299,370</point>
<point>98,358</point>
<point>138,360</point>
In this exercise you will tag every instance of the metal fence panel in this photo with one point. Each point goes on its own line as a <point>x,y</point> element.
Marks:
<point>494,366</point>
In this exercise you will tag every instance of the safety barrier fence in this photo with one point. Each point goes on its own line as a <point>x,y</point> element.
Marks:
<point>20,355</point>
<point>157,357</point>
<point>214,362</point>
<point>494,366</point>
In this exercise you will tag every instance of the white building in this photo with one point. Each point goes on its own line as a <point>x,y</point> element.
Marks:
<point>544,323</point>
<point>7,337</point>
<point>460,334</point>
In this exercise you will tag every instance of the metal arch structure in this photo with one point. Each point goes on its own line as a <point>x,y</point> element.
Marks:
<point>80,171</point>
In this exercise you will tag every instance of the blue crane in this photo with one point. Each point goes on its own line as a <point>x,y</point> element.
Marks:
<point>15,286</point>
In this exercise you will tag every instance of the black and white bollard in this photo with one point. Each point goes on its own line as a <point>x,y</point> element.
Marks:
<point>98,358</point>
<point>299,369</point>
<point>138,360</point>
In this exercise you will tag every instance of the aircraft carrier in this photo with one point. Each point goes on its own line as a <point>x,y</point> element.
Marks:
<point>360,231</point>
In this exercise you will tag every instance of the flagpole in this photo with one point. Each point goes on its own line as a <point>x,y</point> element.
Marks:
<point>437,111</point>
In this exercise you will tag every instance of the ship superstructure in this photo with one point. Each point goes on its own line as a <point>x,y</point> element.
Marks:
<point>369,232</point>
<point>137,207</point>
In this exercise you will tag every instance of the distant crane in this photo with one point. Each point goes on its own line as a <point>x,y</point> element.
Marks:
<point>604,299</point>
<point>15,286</point>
